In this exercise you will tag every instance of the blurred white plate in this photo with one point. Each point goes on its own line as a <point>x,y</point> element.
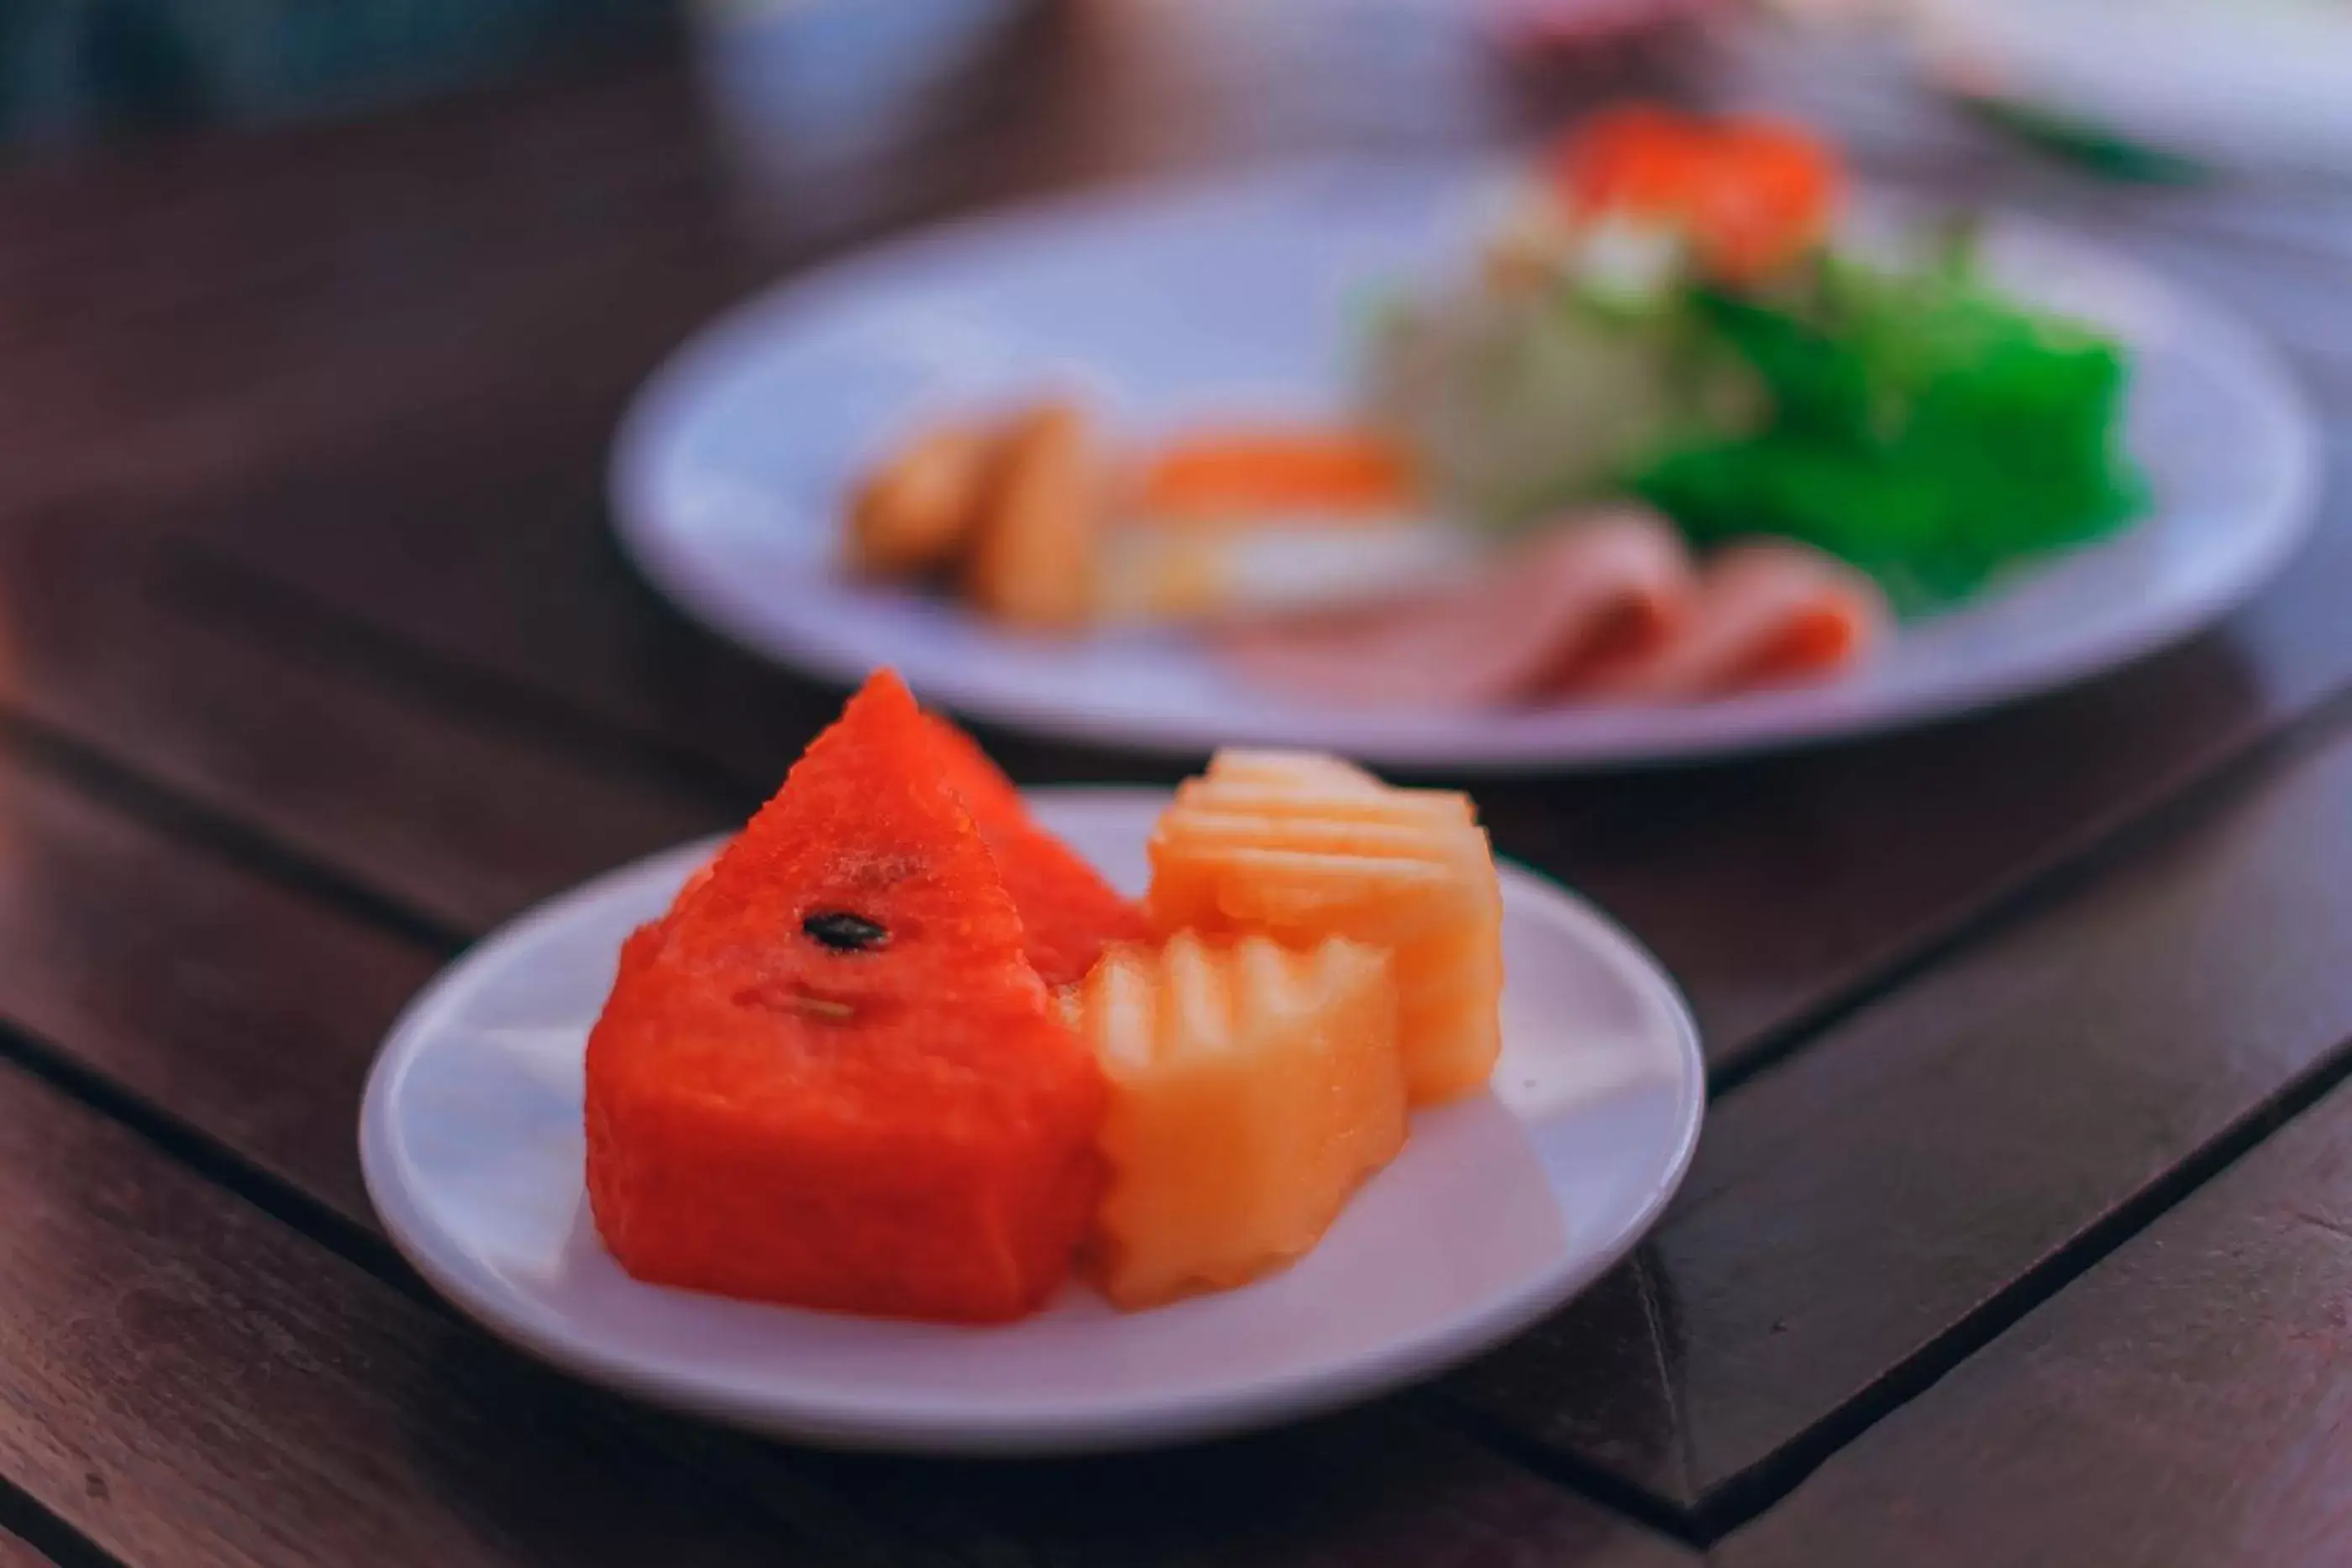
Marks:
<point>1500,1207</point>
<point>2259,82</point>
<point>1248,295</point>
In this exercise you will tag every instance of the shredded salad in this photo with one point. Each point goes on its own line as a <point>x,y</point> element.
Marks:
<point>1662,314</point>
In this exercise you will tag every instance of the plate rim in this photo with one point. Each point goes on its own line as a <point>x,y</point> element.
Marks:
<point>1557,740</point>
<point>1318,1387</point>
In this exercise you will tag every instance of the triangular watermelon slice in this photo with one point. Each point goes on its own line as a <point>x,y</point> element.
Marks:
<point>1068,913</point>
<point>829,1076</point>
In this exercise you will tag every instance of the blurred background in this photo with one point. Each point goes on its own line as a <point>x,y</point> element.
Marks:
<point>2137,88</point>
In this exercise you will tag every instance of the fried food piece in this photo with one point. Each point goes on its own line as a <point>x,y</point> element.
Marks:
<point>1033,556</point>
<point>916,510</point>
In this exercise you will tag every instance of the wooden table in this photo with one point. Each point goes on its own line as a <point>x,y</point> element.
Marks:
<point>2021,1231</point>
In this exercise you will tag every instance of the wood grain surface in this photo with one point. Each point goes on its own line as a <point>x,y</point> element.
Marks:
<point>1374,1487</point>
<point>317,659</point>
<point>125,650</point>
<point>229,1014</point>
<point>2183,1401</point>
<point>1773,889</point>
<point>243,1007</point>
<point>184,1381</point>
<point>1858,1214</point>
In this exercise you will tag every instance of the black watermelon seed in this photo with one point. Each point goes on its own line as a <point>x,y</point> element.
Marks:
<point>844,932</point>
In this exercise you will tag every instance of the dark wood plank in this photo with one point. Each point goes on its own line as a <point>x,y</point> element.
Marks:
<point>242,1014</point>
<point>187,313</point>
<point>1775,887</point>
<point>448,511</point>
<point>14,1553</point>
<point>490,566</point>
<point>1771,888</point>
<point>440,293</point>
<point>243,1007</point>
<point>1372,1487</point>
<point>482,575</point>
<point>185,1382</point>
<point>446,812</point>
<point>2185,1400</point>
<point>534,612</point>
<point>1856,1212</point>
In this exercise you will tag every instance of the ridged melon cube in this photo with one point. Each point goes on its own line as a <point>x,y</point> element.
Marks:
<point>1253,1088</point>
<point>1302,847</point>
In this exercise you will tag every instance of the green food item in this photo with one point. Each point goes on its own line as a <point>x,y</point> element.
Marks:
<point>1921,426</point>
<point>2090,147</point>
<point>1520,403</point>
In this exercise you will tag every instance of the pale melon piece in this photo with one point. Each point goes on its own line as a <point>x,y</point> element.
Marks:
<point>1303,847</point>
<point>1307,771</point>
<point>1253,1087</point>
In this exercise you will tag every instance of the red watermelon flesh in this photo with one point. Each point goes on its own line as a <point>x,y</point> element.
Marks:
<point>829,1076</point>
<point>1068,913</point>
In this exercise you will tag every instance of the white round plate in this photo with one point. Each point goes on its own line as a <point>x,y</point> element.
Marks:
<point>1500,1207</point>
<point>1202,301</point>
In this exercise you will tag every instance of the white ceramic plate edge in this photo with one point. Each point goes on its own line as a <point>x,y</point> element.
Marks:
<point>1309,1389</point>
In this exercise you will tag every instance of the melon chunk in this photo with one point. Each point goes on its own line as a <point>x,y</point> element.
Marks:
<point>1303,847</point>
<point>1253,1087</point>
<point>1067,910</point>
<point>829,1076</point>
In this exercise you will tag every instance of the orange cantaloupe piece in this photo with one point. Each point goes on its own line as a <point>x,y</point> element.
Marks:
<point>1302,847</point>
<point>1253,1087</point>
<point>829,1076</point>
<point>1068,911</point>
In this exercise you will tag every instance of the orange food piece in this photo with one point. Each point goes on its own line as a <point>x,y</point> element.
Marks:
<point>1227,475</point>
<point>828,1076</point>
<point>1771,193</point>
<point>1068,910</point>
<point>1305,848</point>
<point>1638,158</point>
<point>1751,194</point>
<point>1253,1088</point>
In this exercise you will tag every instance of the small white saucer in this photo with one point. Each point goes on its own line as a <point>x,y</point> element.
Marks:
<point>1500,1207</point>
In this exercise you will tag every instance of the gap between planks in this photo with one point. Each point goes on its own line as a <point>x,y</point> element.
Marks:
<point>235,595</point>
<point>219,591</point>
<point>2082,856</point>
<point>137,794</point>
<point>285,619</point>
<point>24,1516</point>
<point>1745,1496</point>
